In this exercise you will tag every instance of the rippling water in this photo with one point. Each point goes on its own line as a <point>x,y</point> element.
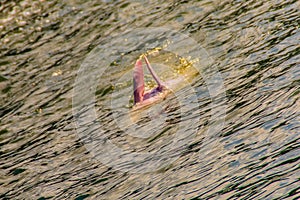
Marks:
<point>241,143</point>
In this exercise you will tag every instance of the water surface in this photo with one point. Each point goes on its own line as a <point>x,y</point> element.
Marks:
<point>253,44</point>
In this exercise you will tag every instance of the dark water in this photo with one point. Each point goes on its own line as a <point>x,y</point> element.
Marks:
<point>66,100</point>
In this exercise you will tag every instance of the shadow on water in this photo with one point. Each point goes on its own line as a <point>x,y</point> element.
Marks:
<point>254,45</point>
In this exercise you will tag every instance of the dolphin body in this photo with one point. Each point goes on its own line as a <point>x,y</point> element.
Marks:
<point>140,96</point>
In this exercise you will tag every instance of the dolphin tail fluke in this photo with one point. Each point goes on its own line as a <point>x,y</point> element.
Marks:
<point>154,75</point>
<point>138,82</point>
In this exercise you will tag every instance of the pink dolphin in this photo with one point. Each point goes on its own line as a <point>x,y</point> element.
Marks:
<point>140,96</point>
